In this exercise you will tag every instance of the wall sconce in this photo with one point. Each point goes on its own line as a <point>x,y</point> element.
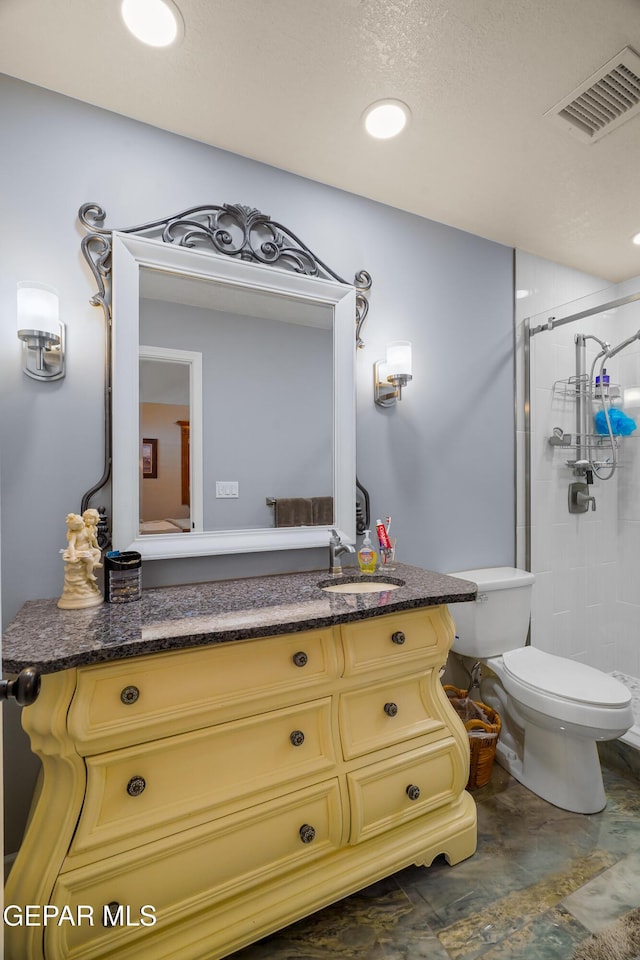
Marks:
<point>41,331</point>
<point>392,374</point>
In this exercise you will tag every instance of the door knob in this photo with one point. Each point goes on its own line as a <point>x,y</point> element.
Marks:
<point>24,689</point>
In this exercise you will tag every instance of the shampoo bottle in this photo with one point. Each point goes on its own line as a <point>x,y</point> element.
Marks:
<point>367,556</point>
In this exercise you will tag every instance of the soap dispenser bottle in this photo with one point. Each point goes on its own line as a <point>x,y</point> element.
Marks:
<point>367,556</point>
<point>602,385</point>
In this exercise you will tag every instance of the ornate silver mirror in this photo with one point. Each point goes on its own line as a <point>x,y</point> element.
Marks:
<point>230,400</point>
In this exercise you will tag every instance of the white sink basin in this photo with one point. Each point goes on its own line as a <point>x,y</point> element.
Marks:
<point>369,585</point>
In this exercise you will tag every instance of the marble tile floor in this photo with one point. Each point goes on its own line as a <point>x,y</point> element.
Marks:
<point>540,882</point>
<point>633,685</point>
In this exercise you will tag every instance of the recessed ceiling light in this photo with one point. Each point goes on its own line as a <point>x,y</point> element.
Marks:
<point>155,22</point>
<point>386,118</point>
<point>636,239</point>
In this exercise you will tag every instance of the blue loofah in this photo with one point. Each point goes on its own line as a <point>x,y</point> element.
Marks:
<point>621,424</point>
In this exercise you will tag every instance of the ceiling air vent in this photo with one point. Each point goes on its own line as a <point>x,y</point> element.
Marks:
<point>607,99</point>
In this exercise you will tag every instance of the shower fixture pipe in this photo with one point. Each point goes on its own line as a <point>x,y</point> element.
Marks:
<point>584,401</point>
<point>582,449</point>
<point>611,352</point>
<point>607,350</point>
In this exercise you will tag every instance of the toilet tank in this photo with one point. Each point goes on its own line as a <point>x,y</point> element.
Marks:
<point>499,619</point>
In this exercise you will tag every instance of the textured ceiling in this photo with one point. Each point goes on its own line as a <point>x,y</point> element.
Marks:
<point>286,81</point>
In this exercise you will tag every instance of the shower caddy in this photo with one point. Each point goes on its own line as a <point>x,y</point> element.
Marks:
<point>590,448</point>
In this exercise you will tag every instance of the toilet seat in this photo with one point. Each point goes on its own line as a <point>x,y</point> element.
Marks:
<point>566,690</point>
<point>563,678</point>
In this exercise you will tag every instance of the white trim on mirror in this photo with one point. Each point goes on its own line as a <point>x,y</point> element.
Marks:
<point>130,254</point>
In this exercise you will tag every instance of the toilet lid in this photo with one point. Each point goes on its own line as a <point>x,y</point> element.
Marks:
<point>566,679</point>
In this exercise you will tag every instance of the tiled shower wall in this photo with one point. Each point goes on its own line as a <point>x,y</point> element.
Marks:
<point>586,601</point>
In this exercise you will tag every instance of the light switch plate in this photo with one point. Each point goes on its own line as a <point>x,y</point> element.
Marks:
<point>227,488</point>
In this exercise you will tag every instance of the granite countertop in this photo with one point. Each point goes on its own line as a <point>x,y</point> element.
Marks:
<point>171,618</point>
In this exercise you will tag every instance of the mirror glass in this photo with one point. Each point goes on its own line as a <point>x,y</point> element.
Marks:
<point>242,379</point>
<point>267,403</point>
<point>170,441</point>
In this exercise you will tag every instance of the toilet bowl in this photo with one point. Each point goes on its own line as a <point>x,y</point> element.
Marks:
<point>553,710</point>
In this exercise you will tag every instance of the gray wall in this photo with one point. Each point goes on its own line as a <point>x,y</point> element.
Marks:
<point>441,463</point>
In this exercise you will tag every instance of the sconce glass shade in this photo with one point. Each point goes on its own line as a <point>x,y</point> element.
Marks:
<point>399,360</point>
<point>38,307</point>
<point>41,331</point>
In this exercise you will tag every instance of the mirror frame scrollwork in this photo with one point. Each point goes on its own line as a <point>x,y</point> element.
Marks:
<point>232,230</point>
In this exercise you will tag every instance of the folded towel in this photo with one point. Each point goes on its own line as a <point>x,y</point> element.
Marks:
<point>293,512</point>
<point>322,510</point>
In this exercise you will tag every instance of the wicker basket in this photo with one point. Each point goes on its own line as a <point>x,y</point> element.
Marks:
<point>482,748</point>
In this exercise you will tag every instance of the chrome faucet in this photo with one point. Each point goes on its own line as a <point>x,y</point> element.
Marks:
<point>336,549</point>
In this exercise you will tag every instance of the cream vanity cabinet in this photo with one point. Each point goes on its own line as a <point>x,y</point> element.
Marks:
<point>224,791</point>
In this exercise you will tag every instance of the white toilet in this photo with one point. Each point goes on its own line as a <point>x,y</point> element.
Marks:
<point>553,710</point>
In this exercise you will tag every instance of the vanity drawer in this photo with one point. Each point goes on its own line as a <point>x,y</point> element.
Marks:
<point>145,698</point>
<point>190,871</point>
<point>390,712</point>
<point>387,794</point>
<point>133,791</point>
<point>397,641</point>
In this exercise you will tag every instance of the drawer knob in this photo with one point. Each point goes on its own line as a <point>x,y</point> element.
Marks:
<point>391,709</point>
<point>300,658</point>
<point>413,792</point>
<point>136,786</point>
<point>398,637</point>
<point>129,695</point>
<point>307,833</point>
<point>297,738</point>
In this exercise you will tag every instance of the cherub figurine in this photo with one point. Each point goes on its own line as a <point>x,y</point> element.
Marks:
<point>81,558</point>
<point>91,519</point>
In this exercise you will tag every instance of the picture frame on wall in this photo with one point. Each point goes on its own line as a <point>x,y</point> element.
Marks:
<point>149,459</point>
